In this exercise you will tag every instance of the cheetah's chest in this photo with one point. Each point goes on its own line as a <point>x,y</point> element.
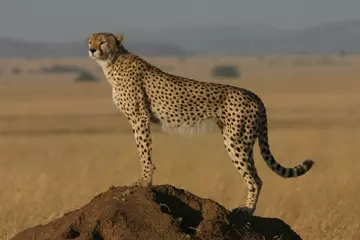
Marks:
<point>121,91</point>
<point>121,99</point>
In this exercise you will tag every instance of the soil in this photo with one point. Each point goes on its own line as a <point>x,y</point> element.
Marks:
<point>155,213</point>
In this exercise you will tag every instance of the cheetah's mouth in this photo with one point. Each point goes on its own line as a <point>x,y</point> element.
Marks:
<point>91,54</point>
<point>95,55</point>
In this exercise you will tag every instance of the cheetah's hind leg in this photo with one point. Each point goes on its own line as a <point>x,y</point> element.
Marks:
<point>241,154</point>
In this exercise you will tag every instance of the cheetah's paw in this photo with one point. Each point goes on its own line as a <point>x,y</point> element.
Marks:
<point>142,183</point>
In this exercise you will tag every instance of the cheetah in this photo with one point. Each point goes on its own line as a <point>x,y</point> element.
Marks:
<point>145,94</point>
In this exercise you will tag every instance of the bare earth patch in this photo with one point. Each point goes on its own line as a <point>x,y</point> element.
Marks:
<point>156,212</point>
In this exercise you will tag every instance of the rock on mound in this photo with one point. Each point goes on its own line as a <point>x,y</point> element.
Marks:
<point>154,213</point>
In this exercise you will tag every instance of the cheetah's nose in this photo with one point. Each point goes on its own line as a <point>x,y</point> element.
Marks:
<point>92,50</point>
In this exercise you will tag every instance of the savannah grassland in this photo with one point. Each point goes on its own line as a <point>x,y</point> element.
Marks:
<point>62,142</point>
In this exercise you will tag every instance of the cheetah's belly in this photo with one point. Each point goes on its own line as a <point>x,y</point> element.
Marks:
<point>183,121</point>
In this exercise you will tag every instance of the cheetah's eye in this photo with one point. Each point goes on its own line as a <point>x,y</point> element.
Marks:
<point>89,43</point>
<point>102,42</point>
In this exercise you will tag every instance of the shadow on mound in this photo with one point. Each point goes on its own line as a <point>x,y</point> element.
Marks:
<point>153,213</point>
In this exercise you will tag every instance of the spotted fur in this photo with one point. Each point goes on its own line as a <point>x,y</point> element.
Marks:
<point>146,94</point>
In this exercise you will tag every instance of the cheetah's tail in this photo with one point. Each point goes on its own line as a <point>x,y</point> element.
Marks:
<point>270,160</point>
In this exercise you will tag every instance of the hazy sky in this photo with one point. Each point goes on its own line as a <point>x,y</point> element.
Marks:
<point>68,20</point>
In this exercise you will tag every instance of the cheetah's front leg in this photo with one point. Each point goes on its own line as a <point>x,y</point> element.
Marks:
<point>142,134</point>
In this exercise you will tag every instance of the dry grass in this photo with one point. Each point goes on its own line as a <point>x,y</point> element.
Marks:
<point>61,143</point>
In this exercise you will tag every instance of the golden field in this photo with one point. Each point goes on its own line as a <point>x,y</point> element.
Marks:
<point>62,142</point>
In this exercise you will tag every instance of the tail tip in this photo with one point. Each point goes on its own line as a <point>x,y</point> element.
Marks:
<point>308,163</point>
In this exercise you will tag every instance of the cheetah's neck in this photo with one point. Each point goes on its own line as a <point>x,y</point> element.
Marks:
<point>103,64</point>
<point>106,67</point>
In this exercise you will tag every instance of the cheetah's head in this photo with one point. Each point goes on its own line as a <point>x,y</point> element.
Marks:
<point>105,46</point>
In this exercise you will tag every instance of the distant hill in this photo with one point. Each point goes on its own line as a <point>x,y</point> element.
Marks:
<point>239,39</point>
<point>325,38</point>
<point>15,48</point>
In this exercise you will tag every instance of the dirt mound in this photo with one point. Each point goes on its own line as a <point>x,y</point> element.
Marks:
<point>154,213</point>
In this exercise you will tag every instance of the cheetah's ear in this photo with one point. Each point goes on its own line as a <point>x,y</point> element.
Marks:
<point>119,37</point>
<point>92,34</point>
